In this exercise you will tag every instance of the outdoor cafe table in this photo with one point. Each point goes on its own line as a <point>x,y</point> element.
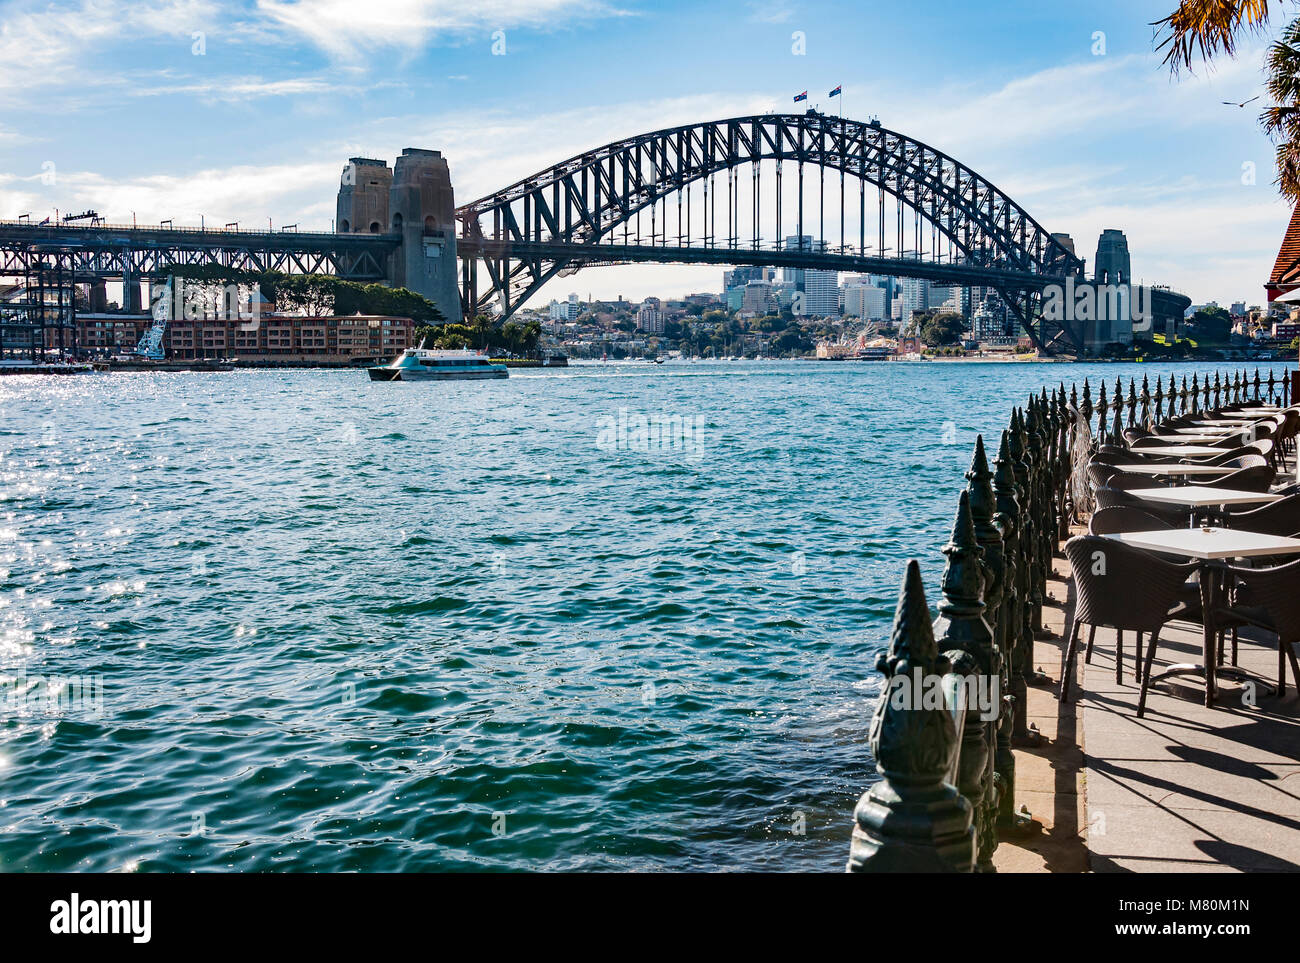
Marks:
<point>1203,429</point>
<point>1155,468</point>
<point>1194,497</point>
<point>1192,438</point>
<point>1210,547</point>
<point>1179,451</point>
<point>1251,414</point>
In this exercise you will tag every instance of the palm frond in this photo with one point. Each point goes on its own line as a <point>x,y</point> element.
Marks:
<point>1288,170</point>
<point>1281,120</point>
<point>1206,28</point>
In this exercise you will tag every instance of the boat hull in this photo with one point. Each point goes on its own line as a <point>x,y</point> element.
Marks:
<point>426,374</point>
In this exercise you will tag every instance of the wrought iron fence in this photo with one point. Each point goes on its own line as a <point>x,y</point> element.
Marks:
<point>947,784</point>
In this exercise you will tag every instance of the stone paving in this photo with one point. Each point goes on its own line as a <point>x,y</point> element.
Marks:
<point>1186,789</point>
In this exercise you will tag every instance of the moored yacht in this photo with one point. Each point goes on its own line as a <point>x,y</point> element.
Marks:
<point>430,364</point>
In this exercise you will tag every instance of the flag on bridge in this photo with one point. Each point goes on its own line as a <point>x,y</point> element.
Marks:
<point>836,91</point>
<point>799,97</point>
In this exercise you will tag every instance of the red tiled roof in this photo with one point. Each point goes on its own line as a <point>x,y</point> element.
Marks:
<point>1286,270</point>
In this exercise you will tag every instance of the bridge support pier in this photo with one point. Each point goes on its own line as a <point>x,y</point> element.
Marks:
<point>423,211</point>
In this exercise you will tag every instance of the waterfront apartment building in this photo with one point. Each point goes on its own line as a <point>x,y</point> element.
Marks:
<point>278,338</point>
<point>328,340</point>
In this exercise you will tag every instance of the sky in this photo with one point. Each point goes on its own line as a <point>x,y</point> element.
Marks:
<point>248,111</point>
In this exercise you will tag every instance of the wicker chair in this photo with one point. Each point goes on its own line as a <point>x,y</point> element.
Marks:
<point>1125,518</point>
<point>1243,461</point>
<point>1264,448</point>
<point>1277,518</point>
<point>1256,479</point>
<point>1099,472</point>
<point>1134,591</point>
<point>1127,481</point>
<point>1286,435</point>
<point>1107,497</point>
<point>1245,436</point>
<point>1108,458</point>
<point>1267,598</point>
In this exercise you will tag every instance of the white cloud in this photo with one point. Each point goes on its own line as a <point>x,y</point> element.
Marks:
<point>348,30</point>
<point>42,45</point>
<point>771,11</point>
<point>1078,146</point>
<point>232,89</point>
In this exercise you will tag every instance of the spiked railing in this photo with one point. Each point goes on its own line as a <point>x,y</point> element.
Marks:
<point>1146,405</point>
<point>947,772</point>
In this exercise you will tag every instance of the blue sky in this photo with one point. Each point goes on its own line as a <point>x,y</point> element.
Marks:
<point>244,111</point>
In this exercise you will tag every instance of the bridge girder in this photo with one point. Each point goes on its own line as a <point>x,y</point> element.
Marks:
<point>564,217</point>
<point>134,253</point>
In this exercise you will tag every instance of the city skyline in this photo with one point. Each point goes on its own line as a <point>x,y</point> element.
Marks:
<point>1092,132</point>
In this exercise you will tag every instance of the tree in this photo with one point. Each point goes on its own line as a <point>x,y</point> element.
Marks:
<point>1204,29</point>
<point>790,341</point>
<point>1211,324</point>
<point>318,294</point>
<point>942,328</point>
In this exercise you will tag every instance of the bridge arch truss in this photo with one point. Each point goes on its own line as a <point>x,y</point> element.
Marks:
<point>591,208</point>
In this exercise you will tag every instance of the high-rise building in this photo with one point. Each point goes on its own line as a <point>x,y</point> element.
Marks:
<point>954,298</point>
<point>740,276</point>
<point>734,281</point>
<point>1112,265</point>
<point>758,298</point>
<point>650,316</point>
<point>819,289</point>
<point>864,301</point>
<point>914,294</point>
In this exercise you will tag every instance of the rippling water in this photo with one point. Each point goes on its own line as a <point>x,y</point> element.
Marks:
<point>353,626</point>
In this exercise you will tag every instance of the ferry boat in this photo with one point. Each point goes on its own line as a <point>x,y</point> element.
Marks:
<point>428,364</point>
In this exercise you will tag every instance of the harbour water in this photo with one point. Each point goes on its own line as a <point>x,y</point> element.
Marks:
<point>335,625</point>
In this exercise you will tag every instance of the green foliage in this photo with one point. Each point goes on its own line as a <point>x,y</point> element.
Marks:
<point>791,340</point>
<point>942,328</point>
<point>484,333</point>
<point>319,294</point>
<point>1211,324</point>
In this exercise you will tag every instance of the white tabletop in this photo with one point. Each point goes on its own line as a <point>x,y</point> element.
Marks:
<point>1218,423</point>
<point>1179,451</point>
<point>1210,543</point>
<point>1191,437</point>
<point>1213,432</point>
<point>1199,496</point>
<point>1148,468</point>
<point>1251,414</point>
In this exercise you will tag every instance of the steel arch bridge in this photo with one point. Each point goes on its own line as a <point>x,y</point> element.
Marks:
<point>591,209</point>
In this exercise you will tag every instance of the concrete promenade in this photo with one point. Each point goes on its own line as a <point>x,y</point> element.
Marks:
<point>1186,789</point>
